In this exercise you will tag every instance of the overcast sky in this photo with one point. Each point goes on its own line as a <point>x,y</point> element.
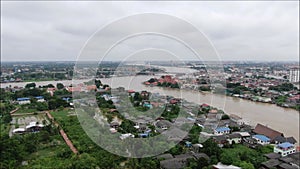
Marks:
<point>56,31</point>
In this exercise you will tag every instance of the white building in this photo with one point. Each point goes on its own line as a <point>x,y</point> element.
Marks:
<point>40,99</point>
<point>222,130</point>
<point>294,75</point>
<point>261,139</point>
<point>23,100</point>
<point>285,149</point>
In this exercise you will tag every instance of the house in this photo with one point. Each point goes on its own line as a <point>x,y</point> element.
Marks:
<point>236,119</point>
<point>163,124</point>
<point>264,130</point>
<point>114,124</point>
<point>221,140</point>
<point>73,89</point>
<point>51,90</point>
<point>127,135</point>
<point>250,142</point>
<point>34,127</point>
<point>280,139</point>
<point>272,155</point>
<point>243,134</point>
<point>222,130</point>
<point>144,135</point>
<point>234,138</point>
<point>23,100</point>
<point>285,149</point>
<point>40,99</point>
<point>175,134</point>
<point>270,164</point>
<point>261,139</point>
<point>180,161</point>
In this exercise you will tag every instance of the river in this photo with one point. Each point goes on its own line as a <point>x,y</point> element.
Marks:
<point>282,119</point>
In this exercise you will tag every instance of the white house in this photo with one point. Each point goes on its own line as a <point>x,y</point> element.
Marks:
<point>234,138</point>
<point>261,139</point>
<point>221,130</point>
<point>285,149</point>
<point>34,126</point>
<point>127,135</point>
<point>23,100</point>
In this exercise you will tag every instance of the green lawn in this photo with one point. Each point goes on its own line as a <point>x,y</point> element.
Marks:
<point>25,110</point>
<point>60,115</point>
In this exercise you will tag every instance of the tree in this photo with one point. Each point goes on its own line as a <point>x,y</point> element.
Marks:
<point>225,117</point>
<point>30,85</point>
<point>211,148</point>
<point>98,83</point>
<point>59,86</point>
<point>228,157</point>
<point>246,165</point>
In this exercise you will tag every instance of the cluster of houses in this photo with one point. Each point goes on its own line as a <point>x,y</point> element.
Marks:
<point>252,80</point>
<point>31,127</point>
<point>260,136</point>
<point>220,130</point>
<point>163,79</point>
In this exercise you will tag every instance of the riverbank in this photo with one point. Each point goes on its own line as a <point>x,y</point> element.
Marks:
<point>282,119</point>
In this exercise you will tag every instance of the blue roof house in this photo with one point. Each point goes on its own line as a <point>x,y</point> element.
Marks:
<point>24,100</point>
<point>221,130</point>
<point>285,149</point>
<point>261,139</point>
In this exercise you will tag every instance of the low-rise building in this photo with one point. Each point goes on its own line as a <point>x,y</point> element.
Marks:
<point>24,100</point>
<point>285,149</point>
<point>261,139</point>
<point>221,130</point>
<point>40,99</point>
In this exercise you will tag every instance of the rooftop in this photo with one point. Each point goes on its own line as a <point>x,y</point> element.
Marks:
<point>222,129</point>
<point>261,137</point>
<point>285,145</point>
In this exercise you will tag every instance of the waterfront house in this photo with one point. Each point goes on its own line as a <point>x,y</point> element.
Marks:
<point>261,139</point>
<point>221,130</point>
<point>285,149</point>
<point>23,100</point>
<point>264,130</point>
<point>280,139</point>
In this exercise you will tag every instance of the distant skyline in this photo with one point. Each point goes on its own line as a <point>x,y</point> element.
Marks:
<point>240,31</point>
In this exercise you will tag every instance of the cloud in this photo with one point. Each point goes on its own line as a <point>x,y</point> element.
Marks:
<point>239,30</point>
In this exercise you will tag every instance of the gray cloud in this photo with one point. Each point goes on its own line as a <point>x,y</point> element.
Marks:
<point>238,30</point>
